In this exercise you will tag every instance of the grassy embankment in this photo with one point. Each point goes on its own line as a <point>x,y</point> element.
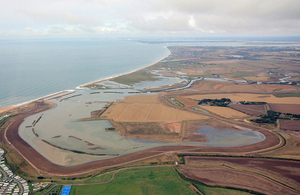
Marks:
<point>175,102</point>
<point>16,163</point>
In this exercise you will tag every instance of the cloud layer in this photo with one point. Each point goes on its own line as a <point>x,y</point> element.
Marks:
<point>79,18</point>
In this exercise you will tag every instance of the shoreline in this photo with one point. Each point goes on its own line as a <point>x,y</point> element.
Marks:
<point>112,77</point>
<point>5,109</point>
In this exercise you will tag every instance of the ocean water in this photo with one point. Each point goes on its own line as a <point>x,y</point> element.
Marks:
<point>36,68</point>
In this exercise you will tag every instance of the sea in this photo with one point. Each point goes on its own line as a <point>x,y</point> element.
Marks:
<point>31,69</point>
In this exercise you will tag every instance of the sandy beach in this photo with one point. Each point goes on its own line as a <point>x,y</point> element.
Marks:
<point>6,108</point>
<point>24,104</point>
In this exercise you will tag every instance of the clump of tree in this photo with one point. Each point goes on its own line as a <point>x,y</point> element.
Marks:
<point>224,102</point>
<point>253,103</point>
<point>271,117</point>
<point>292,116</point>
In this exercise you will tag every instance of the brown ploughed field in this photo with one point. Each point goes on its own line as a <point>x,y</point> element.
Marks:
<point>253,110</point>
<point>293,125</point>
<point>285,108</point>
<point>248,173</point>
<point>223,176</point>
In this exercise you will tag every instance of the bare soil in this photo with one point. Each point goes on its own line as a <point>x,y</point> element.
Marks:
<point>223,176</point>
<point>285,108</point>
<point>253,110</point>
<point>284,170</point>
<point>293,125</point>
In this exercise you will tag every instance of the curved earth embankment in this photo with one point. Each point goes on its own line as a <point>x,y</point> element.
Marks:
<point>11,137</point>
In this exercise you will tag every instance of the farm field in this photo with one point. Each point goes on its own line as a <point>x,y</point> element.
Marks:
<point>281,88</point>
<point>245,172</point>
<point>210,86</point>
<point>253,110</point>
<point>223,176</point>
<point>150,99</point>
<point>245,87</point>
<point>293,125</point>
<point>224,112</point>
<point>144,112</point>
<point>285,108</point>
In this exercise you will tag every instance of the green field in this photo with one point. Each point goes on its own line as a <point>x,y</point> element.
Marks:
<point>154,180</point>
<point>161,180</point>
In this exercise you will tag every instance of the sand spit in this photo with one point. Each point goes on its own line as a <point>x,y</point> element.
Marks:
<point>112,77</point>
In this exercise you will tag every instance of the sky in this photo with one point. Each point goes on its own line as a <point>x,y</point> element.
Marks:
<point>148,18</point>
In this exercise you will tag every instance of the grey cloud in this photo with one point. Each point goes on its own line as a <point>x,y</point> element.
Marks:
<point>176,22</point>
<point>84,17</point>
<point>57,29</point>
<point>64,17</point>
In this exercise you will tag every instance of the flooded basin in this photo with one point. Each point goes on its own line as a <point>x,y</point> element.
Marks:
<point>61,136</point>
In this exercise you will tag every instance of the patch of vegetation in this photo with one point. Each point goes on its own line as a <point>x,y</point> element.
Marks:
<point>224,102</point>
<point>214,190</point>
<point>96,86</point>
<point>271,117</point>
<point>17,164</point>
<point>176,102</point>
<point>279,89</point>
<point>54,191</point>
<point>4,120</point>
<point>253,103</point>
<point>135,77</point>
<point>100,178</point>
<point>181,158</point>
<point>146,129</point>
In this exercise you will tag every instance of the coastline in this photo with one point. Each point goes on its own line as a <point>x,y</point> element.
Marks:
<point>112,77</point>
<point>5,109</point>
